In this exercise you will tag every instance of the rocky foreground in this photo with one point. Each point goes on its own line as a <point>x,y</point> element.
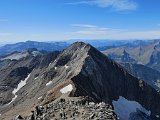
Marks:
<point>81,109</point>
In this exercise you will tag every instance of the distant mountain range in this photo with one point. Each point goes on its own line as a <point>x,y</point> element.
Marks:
<point>46,46</point>
<point>23,54</point>
<point>102,44</point>
<point>148,54</point>
<point>86,82</point>
<point>58,46</point>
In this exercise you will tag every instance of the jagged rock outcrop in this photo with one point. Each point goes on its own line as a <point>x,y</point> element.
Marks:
<point>126,58</point>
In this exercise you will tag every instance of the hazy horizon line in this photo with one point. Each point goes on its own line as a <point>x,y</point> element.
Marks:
<point>48,41</point>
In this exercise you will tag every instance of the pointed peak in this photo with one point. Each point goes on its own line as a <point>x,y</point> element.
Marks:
<point>80,44</point>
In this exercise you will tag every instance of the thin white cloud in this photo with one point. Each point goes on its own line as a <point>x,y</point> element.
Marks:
<point>81,2</point>
<point>116,35</point>
<point>86,29</point>
<point>84,25</point>
<point>83,31</point>
<point>118,5</point>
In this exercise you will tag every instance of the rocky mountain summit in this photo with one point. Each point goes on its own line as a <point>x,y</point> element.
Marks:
<point>78,71</point>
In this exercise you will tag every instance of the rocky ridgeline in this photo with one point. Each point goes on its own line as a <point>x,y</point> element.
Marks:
<point>91,74</point>
<point>72,110</point>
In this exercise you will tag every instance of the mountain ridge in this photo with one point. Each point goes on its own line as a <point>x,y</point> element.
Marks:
<point>21,46</point>
<point>144,54</point>
<point>89,72</point>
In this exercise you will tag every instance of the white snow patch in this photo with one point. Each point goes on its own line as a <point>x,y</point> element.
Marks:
<point>13,99</point>
<point>50,64</point>
<point>49,83</point>
<point>66,89</point>
<point>55,68</point>
<point>123,108</point>
<point>157,116</point>
<point>36,78</point>
<point>66,66</point>
<point>20,85</point>
<point>40,98</point>
<point>35,53</point>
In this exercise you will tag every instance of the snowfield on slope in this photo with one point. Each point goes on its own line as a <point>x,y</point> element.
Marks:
<point>66,89</point>
<point>124,107</point>
<point>20,85</point>
<point>49,83</point>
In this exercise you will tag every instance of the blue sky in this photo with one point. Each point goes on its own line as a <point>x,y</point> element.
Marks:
<point>47,20</point>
